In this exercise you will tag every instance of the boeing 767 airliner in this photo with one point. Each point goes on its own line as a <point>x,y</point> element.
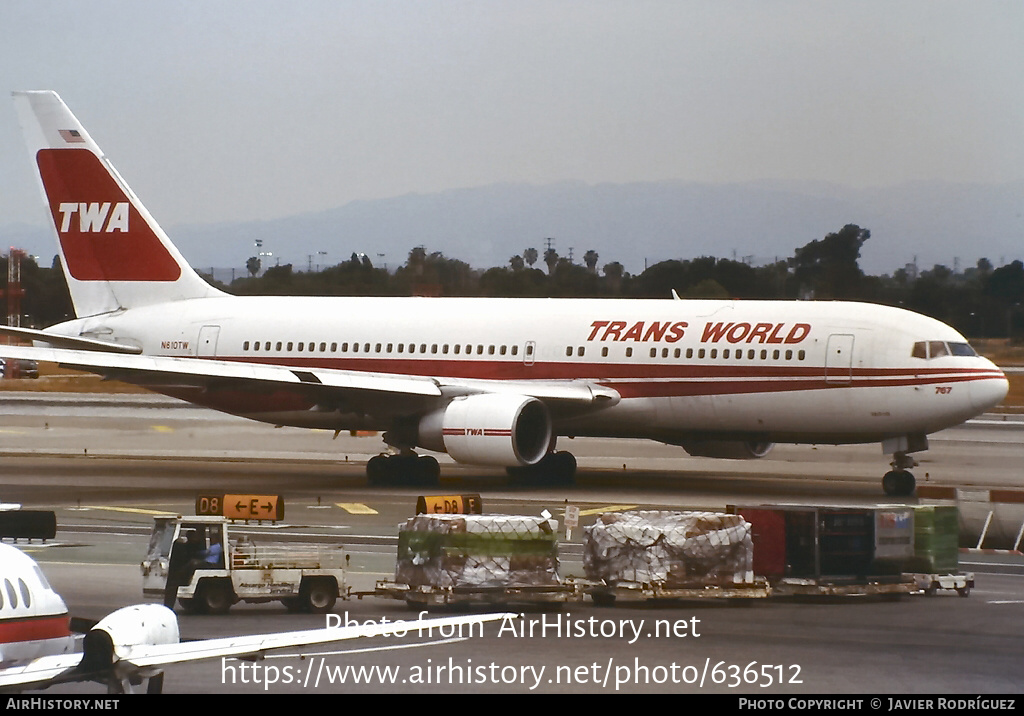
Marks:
<point>488,381</point>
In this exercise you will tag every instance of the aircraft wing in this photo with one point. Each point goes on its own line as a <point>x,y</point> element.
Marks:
<point>320,383</point>
<point>138,658</point>
<point>163,654</point>
<point>39,672</point>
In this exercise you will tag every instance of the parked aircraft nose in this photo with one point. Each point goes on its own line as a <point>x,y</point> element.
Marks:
<point>986,394</point>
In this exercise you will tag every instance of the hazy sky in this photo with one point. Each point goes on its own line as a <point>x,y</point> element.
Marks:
<point>222,111</point>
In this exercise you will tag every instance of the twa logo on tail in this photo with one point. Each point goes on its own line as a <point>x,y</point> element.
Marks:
<point>102,235</point>
<point>91,217</point>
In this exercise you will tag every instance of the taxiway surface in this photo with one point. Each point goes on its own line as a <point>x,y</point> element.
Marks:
<point>105,464</point>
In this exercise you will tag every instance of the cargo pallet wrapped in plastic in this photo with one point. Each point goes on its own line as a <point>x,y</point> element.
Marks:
<point>670,555</point>
<point>477,551</point>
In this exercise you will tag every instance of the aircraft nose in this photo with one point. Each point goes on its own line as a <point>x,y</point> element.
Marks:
<point>988,393</point>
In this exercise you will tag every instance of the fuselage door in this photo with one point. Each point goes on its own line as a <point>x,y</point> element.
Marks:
<point>206,346</point>
<point>528,352</point>
<point>839,359</point>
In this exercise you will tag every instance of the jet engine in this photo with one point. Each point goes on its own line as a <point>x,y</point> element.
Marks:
<point>114,636</point>
<point>728,449</point>
<point>489,429</point>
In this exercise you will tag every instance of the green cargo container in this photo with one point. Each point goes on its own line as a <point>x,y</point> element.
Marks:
<point>936,540</point>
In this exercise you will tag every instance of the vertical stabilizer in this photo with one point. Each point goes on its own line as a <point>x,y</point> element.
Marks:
<point>113,252</point>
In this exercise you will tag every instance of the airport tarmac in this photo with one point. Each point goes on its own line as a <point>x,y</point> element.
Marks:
<point>107,463</point>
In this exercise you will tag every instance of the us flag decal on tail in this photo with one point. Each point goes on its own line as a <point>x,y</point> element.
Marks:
<point>71,136</point>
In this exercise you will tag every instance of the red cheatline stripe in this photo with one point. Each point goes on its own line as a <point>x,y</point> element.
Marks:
<point>34,628</point>
<point>599,372</point>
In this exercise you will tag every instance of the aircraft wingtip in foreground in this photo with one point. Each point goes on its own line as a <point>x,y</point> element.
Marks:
<point>132,645</point>
<point>489,381</point>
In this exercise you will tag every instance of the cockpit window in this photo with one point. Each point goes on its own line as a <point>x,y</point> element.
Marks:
<point>937,349</point>
<point>961,349</point>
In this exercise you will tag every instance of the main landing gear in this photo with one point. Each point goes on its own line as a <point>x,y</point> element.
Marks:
<point>555,468</point>
<point>406,468</point>
<point>899,482</point>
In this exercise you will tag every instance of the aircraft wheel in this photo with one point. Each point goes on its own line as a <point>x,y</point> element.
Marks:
<point>215,596</point>
<point>907,484</point>
<point>428,471</point>
<point>891,483</point>
<point>377,472</point>
<point>565,468</point>
<point>899,483</point>
<point>156,683</point>
<point>319,595</point>
<point>561,468</point>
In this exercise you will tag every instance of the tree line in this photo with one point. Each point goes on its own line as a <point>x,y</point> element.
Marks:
<point>980,302</point>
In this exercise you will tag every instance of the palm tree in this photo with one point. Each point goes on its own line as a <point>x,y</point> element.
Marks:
<point>551,259</point>
<point>530,256</point>
<point>590,259</point>
<point>613,272</point>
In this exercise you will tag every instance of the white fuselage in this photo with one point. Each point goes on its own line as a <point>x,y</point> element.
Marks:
<point>34,620</point>
<point>780,371</point>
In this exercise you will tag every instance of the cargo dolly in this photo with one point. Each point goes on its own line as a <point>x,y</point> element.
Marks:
<point>606,595</point>
<point>432,596</point>
<point>930,584</point>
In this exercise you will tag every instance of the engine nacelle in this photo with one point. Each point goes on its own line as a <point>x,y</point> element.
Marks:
<point>728,449</point>
<point>489,429</point>
<point>114,637</point>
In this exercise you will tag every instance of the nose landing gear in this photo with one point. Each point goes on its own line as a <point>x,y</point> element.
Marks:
<point>899,482</point>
